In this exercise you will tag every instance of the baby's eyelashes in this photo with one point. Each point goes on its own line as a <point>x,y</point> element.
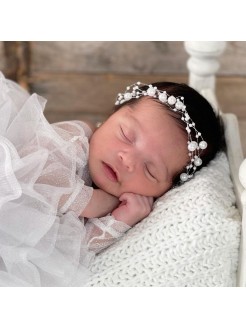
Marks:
<point>126,134</point>
<point>150,173</point>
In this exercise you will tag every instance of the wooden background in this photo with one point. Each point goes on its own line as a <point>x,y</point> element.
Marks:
<point>80,80</point>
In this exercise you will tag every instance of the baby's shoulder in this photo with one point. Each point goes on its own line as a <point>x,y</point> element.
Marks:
<point>90,124</point>
<point>76,127</point>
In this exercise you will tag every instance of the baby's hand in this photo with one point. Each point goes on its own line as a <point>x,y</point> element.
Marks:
<point>133,208</point>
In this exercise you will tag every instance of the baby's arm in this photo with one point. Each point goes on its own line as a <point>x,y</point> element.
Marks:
<point>100,204</point>
<point>103,232</point>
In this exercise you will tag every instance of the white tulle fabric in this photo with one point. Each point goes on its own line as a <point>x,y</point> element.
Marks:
<point>45,185</point>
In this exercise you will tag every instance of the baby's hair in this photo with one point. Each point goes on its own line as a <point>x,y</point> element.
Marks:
<point>201,112</point>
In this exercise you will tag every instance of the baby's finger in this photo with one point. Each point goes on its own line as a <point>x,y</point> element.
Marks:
<point>151,200</point>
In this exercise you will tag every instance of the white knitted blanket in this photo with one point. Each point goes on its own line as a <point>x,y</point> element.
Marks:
<point>191,238</point>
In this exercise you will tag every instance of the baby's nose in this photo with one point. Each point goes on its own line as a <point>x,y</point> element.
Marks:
<point>127,160</point>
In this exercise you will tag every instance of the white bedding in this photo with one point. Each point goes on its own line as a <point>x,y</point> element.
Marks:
<point>191,238</point>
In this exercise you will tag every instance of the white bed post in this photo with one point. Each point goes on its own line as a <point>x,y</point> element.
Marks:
<point>242,259</point>
<point>203,64</point>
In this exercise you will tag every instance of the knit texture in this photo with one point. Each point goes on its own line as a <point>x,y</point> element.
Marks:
<point>191,238</point>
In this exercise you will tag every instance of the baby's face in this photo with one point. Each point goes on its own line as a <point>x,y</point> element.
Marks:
<point>137,150</point>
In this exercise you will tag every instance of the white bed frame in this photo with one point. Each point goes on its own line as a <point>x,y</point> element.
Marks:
<point>203,64</point>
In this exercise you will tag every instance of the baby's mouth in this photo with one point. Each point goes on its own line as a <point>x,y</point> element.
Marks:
<point>110,172</point>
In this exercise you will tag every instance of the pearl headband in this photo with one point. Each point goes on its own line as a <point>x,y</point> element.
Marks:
<point>195,147</point>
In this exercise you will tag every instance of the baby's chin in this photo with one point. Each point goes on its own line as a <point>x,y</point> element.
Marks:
<point>107,189</point>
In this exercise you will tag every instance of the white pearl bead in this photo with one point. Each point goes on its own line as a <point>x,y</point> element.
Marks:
<point>187,117</point>
<point>171,100</point>
<point>198,161</point>
<point>163,97</point>
<point>183,177</point>
<point>127,96</point>
<point>203,144</point>
<point>151,92</point>
<point>192,145</point>
<point>179,104</point>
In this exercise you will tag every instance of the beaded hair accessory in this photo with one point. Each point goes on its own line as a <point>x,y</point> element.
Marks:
<point>195,147</point>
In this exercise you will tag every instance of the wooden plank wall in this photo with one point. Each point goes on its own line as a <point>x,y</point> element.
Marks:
<point>81,79</point>
<point>2,57</point>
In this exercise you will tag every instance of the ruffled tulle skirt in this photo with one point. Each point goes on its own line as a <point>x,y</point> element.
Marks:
<point>38,245</point>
